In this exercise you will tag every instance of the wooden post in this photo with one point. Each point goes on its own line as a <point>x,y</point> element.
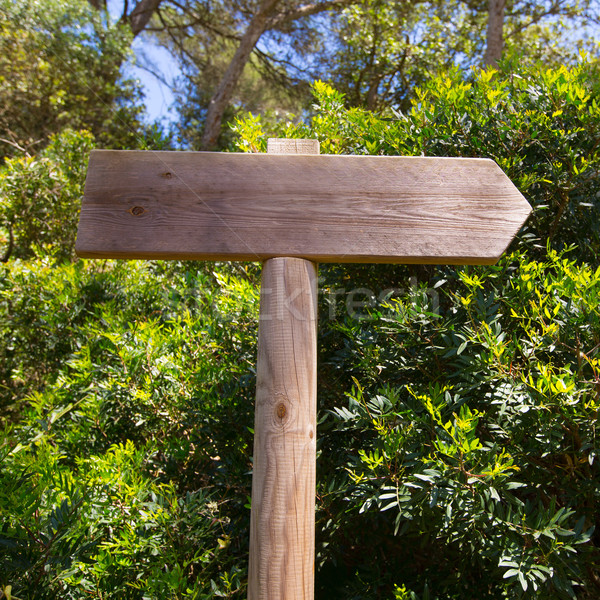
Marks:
<point>282,525</point>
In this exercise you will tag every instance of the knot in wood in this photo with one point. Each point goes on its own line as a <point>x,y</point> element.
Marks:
<point>281,411</point>
<point>136,211</point>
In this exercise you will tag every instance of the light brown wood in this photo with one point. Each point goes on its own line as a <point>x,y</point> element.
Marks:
<point>292,146</point>
<point>226,206</point>
<point>282,538</point>
<point>282,523</point>
<point>290,210</point>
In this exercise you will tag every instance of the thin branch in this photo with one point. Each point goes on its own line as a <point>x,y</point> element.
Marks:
<point>262,63</point>
<point>177,43</point>
<point>553,9</point>
<point>267,59</point>
<point>536,18</point>
<point>15,145</point>
<point>154,73</point>
<point>125,11</point>
<point>195,20</point>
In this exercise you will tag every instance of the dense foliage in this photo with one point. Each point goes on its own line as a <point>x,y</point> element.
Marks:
<point>61,68</point>
<point>40,197</point>
<point>466,449</point>
<point>126,473</point>
<point>458,406</point>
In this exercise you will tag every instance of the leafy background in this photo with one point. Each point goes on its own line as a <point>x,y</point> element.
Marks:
<point>457,448</point>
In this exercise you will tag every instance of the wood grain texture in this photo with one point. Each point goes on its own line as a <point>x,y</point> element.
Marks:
<point>282,521</point>
<point>226,206</point>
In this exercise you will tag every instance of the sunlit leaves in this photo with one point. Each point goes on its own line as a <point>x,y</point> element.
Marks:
<point>132,443</point>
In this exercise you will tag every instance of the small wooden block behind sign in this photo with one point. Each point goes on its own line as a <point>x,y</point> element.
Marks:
<point>325,208</point>
<point>292,146</point>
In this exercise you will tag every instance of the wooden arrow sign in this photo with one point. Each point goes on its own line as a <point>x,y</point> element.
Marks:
<point>227,206</point>
<point>293,208</point>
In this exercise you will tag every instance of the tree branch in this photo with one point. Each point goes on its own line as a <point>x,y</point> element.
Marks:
<point>553,10</point>
<point>265,63</point>
<point>15,145</point>
<point>125,11</point>
<point>257,26</point>
<point>141,15</point>
<point>177,43</point>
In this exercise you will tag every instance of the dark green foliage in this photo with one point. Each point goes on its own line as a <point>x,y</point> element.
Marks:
<point>126,470</point>
<point>466,450</point>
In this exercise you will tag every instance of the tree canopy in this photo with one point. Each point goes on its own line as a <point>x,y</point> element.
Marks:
<point>264,56</point>
<point>60,67</point>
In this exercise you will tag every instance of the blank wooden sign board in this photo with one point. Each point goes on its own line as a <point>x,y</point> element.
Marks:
<point>292,208</point>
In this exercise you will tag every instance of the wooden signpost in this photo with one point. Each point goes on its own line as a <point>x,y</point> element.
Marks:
<point>292,208</point>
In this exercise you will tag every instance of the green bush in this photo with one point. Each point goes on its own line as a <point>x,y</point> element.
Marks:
<point>40,197</point>
<point>466,450</point>
<point>124,472</point>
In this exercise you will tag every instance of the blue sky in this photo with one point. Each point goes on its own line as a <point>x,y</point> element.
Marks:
<point>150,58</point>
